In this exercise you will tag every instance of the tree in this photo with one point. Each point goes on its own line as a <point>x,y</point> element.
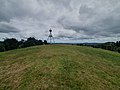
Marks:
<point>10,44</point>
<point>2,47</point>
<point>21,43</point>
<point>45,42</point>
<point>118,49</point>
<point>117,43</point>
<point>31,41</point>
<point>40,42</point>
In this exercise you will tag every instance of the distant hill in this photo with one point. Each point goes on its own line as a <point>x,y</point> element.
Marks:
<point>79,43</point>
<point>59,67</point>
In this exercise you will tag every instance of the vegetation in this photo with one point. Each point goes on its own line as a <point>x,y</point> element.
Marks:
<point>12,43</point>
<point>112,46</point>
<point>59,67</point>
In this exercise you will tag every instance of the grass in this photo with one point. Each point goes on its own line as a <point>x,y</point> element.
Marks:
<point>59,67</point>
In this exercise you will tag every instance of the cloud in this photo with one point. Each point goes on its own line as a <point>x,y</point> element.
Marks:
<point>95,19</point>
<point>4,28</point>
<point>80,20</point>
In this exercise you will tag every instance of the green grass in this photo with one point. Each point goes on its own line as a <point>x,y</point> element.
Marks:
<point>59,67</point>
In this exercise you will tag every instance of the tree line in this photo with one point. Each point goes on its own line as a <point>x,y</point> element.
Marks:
<point>112,46</point>
<point>12,43</point>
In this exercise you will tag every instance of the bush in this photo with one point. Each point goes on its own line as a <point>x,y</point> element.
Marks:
<point>2,47</point>
<point>11,44</point>
<point>45,42</point>
<point>118,50</point>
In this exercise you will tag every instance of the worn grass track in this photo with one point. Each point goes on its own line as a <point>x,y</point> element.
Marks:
<point>59,67</point>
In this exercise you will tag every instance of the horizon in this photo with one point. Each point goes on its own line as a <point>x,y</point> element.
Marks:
<point>62,42</point>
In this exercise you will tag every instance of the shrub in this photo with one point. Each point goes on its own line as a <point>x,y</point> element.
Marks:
<point>118,50</point>
<point>2,47</point>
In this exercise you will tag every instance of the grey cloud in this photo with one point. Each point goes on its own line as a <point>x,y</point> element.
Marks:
<point>71,37</point>
<point>64,36</point>
<point>86,12</point>
<point>10,9</point>
<point>7,29</point>
<point>62,4</point>
<point>37,9</point>
<point>95,21</point>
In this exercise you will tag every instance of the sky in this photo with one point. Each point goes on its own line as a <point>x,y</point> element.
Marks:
<point>72,21</point>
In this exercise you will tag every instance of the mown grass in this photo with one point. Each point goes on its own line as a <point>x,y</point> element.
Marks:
<point>59,67</point>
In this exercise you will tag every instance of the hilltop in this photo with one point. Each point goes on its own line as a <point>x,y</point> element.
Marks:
<point>59,67</point>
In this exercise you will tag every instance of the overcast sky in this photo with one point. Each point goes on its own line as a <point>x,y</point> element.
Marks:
<point>70,20</point>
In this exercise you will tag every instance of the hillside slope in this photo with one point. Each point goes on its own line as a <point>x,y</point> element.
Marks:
<point>59,67</point>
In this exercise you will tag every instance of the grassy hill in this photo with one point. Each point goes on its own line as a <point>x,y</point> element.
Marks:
<point>59,67</point>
